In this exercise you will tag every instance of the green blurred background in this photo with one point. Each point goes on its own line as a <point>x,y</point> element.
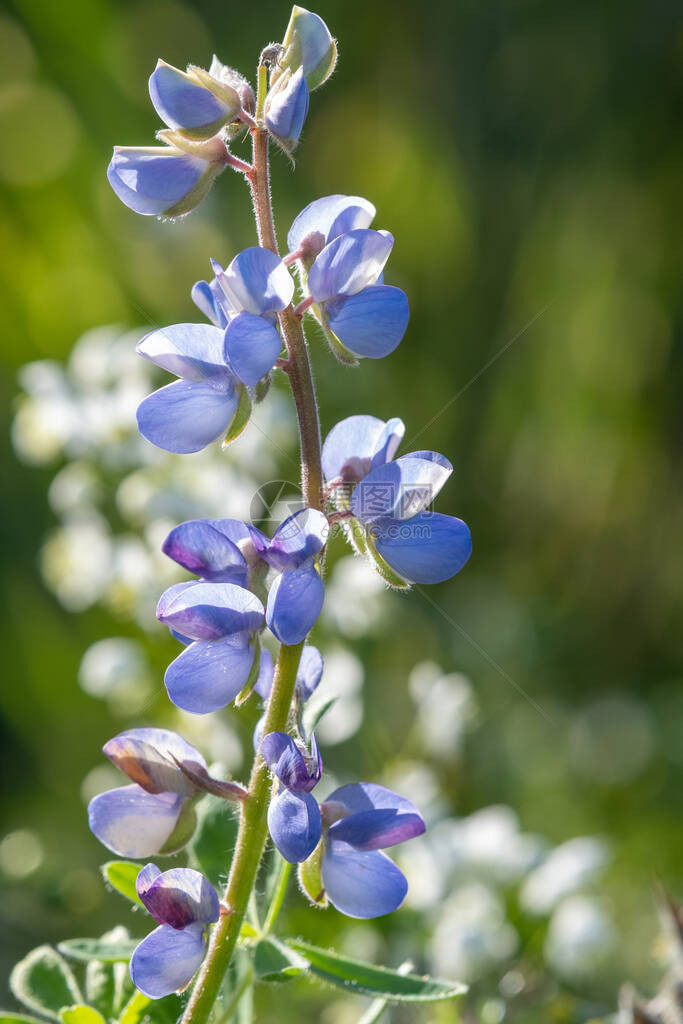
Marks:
<point>527,156</point>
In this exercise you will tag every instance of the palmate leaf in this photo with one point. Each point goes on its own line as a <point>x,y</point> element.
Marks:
<point>274,961</point>
<point>106,950</point>
<point>121,875</point>
<point>80,1014</point>
<point>44,982</point>
<point>367,980</point>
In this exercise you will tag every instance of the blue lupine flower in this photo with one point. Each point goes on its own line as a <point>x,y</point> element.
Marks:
<point>368,317</point>
<point>217,621</point>
<point>192,101</point>
<point>308,676</point>
<point>286,108</point>
<point>390,498</point>
<point>164,181</point>
<point>214,361</point>
<point>139,820</point>
<point>294,820</point>
<point>210,548</point>
<point>296,595</point>
<point>184,903</point>
<point>325,219</point>
<point>360,820</point>
<point>309,45</point>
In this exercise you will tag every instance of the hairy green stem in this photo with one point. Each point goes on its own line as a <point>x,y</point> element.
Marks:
<point>253,826</point>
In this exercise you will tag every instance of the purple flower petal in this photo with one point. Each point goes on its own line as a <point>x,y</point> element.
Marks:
<point>202,548</point>
<point>352,445</point>
<point>210,611</point>
<point>361,884</point>
<point>252,344</point>
<point>285,760</point>
<point>182,103</point>
<point>372,322</point>
<point>309,673</point>
<point>294,603</point>
<point>300,537</point>
<point>185,417</point>
<point>133,823</point>
<point>191,351</point>
<point>388,442</point>
<point>327,218</point>
<point>400,489</point>
<point>208,676</point>
<point>167,960</point>
<point>294,824</point>
<point>146,756</point>
<point>429,548</point>
<point>178,897</point>
<point>377,817</point>
<point>264,683</point>
<point>256,281</point>
<point>349,263</point>
<point>286,109</point>
<point>152,180</point>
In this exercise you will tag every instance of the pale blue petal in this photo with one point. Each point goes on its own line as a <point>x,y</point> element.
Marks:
<point>264,683</point>
<point>350,446</point>
<point>191,351</point>
<point>378,817</point>
<point>388,442</point>
<point>285,760</point>
<point>182,103</point>
<point>185,417</point>
<point>349,263</point>
<point>429,548</point>
<point>361,884</point>
<point>154,179</point>
<point>209,611</point>
<point>294,603</point>
<point>252,344</point>
<point>167,960</point>
<point>294,824</point>
<point>286,109</point>
<point>327,218</point>
<point>133,823</point>
<point>372,322</point>
<point>212,302</point>
<point>257,281</point>
<point>207,676</point>
<point>399,489</point>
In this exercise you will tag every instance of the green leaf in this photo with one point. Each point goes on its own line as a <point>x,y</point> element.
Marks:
<point>7,1017</point>
<point>80,1014</point>
<point>108,950</point>
<point>211,847</point>
<point>158,1011</point>
<point>240,419</point>
<point>108,986</point>
<point>274,961</point>
<point>313,714</point>
<point>43,981</point>
<point>121,875</point>
<point>365,979</point>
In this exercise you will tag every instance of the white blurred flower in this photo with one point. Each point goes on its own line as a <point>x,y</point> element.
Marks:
<point>611,740</point>
<point>445,707</point>
<point>74,489</point>
<point>568,867</point>
<point>471,935</point>
<point>343,679</point>
<point>355,598</point>
<point>490,843</point>
<point>116,669</point>
<point>580,937</point>
<point>76,560</point>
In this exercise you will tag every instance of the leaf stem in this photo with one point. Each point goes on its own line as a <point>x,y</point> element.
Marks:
<point>284,871</point>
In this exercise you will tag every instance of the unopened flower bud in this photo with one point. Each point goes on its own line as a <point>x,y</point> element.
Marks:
<point>286,108</point>
<point>165,181</point>
<point>228,76</point>
<point>192,102</point>
<point>307,44</point>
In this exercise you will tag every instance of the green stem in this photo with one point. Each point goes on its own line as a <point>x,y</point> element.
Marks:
<point>253,827</point>
<point>245,981</point>
<point>284,871</point>
<point>251,840</point>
